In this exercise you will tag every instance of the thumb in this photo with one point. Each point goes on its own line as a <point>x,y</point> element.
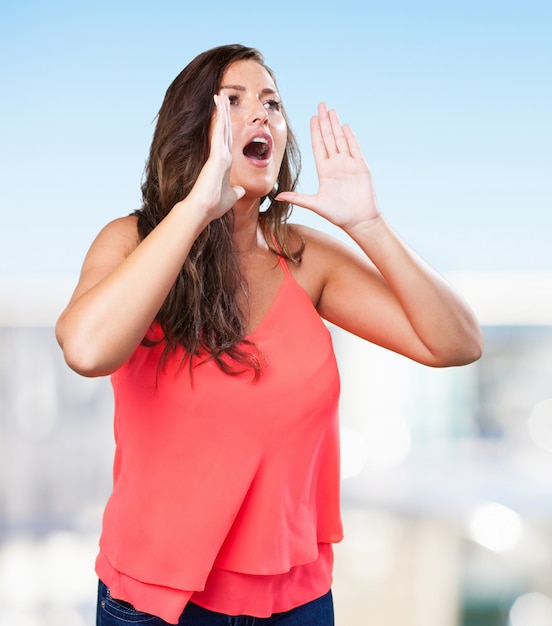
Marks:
<point>298,199</point>
<point>239,191</point>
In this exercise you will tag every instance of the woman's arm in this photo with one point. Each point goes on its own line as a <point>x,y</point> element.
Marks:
<point>123,283</point>
<point>391,296</point>
<point>120,290</point>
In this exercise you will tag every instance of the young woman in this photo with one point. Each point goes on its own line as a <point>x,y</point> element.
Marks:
<point>206,307</point>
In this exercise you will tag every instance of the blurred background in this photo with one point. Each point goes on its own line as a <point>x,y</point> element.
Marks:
<point>447,474</point>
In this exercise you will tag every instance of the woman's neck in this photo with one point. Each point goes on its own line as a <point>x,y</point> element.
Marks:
<point>246,234</point>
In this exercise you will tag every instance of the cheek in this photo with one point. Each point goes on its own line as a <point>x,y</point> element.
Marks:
<point>279,135</point>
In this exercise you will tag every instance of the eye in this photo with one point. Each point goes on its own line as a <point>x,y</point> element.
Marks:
<point>273,105</point>
<point>233,99</point>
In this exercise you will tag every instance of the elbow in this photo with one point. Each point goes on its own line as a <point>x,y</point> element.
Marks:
<point>462,357</point>
<point>84,366</point>
<point>473,349</point>
<point>476,352</point>
<point>80,355</point>
<point>464,352</point>
<point>83,362</point>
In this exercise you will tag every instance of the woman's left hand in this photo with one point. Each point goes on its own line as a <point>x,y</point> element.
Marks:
<point>346,195</point>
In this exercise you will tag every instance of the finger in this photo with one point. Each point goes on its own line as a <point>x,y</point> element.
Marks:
<point>352,142</point>
<point>318,145</point>
<point>341,142</point>
<point>326,129</point>
<point>227,123</point>
<point>222,133</point>
<point>217,122</point>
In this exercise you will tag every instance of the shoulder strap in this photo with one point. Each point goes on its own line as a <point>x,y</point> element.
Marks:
<point>284,265</point>
<point>282,260</point>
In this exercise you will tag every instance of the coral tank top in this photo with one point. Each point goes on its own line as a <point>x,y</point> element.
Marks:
<point>226,488</point>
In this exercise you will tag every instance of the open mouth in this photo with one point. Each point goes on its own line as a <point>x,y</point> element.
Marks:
<point>258,149</point>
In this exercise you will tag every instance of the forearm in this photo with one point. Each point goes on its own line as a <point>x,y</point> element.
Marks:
<point>101,328</point>
<point>438,315</point>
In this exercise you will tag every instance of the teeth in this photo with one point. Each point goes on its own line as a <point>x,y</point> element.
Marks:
<point>259,140</point>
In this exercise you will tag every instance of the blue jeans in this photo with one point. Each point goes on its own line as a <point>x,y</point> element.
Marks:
<point>112,612</point>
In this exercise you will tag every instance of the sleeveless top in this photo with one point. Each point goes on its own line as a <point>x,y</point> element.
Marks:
<point>227,480</point>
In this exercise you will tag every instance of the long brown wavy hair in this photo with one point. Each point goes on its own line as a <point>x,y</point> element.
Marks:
<point>201,313</point>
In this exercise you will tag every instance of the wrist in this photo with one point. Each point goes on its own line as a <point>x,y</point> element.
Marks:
<point>367,228</point>
<point>192,214</point>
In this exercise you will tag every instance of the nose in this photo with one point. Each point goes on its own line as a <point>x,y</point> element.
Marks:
<point>258,113</point>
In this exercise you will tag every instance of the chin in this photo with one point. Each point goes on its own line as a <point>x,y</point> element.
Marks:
<point>257,183</point>
<point>251,194</point>
<point>257,191</point>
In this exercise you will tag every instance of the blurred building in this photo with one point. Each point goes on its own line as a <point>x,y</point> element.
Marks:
<point>447,474</point>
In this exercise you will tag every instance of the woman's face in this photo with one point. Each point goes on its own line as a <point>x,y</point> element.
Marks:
<point>259,129</point>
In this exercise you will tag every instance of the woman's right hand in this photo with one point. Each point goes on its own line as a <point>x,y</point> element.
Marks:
<point>212,190</point>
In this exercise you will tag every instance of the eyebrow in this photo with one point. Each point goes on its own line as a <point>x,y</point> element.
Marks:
<point>266,90</point>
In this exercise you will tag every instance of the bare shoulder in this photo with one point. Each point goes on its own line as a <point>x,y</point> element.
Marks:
<point>115,241</point>
<point>121,233</point>
<point>307,233</point>
<point>324,249</point>
<point>314,245</point>
<point>314,241</point>
<point>324,259</point>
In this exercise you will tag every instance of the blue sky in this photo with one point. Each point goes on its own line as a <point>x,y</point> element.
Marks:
<point>451,102</point>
